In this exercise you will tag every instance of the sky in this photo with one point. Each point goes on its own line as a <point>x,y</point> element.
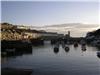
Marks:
<point>48,13</point>
<point>54,0</point>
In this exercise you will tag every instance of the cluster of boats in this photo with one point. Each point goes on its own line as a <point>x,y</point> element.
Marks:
<point>66,46</point>
<point>83,45</point>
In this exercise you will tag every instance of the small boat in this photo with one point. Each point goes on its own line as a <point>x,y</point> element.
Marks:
<point>56,48</point>
<point>98,54</point>
<point>63,44</point>
<point>68,43</point>
<point>66,48</point>
<point>75,44</point>
<point>83,43</point>
<point>83,48</point>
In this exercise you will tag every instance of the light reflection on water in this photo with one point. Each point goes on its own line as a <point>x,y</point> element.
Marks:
<point>44,61</point>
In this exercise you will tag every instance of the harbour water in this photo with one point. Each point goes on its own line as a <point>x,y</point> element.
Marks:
<point>43,60</point>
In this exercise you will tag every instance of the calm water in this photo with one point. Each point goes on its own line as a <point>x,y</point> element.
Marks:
<point>44,61</point>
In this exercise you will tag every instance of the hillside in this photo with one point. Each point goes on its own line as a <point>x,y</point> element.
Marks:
<point>11,32</point>
<point>95,33</point>
<point>93,38</point>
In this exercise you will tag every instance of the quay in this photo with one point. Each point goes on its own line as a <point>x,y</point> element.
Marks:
<point>15,44</point>
<point>15,47</point>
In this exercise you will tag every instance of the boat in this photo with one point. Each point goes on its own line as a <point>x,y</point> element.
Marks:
<point>56,48</point>
<point>75,44</point>
<point>63,44</point>
<point>66,48</point>
<point>83,43</point>
<point>83,48</point>
<point>98,54</point>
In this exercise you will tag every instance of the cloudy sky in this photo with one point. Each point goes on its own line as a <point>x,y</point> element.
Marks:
<point>77,30</point>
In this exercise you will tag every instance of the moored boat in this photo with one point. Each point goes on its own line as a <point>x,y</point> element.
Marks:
<point>98,54</point>
<point>56,48</point>
<point>75,44</point>
<point>83,43</point>
<point>83,48</point>
<point>66,48</point>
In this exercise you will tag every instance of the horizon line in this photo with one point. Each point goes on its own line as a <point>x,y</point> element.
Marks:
<point>54,24</point>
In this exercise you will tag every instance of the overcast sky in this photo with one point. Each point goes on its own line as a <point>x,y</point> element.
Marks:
<point>48,13</point>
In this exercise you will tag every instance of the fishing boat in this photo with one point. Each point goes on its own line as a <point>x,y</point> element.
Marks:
<point>83,48</point>
<point>75,44</point>
<point>98,54</point>
<point>83,43</point>
<point>66,48</point>
<point>56,48</point>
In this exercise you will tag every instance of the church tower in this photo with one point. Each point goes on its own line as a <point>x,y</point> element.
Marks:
<point>69,33</point>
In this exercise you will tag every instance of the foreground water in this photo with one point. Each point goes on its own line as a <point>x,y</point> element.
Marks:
<point>44,61</point>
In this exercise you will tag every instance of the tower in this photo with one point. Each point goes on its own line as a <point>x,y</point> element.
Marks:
<point>69,33</point>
